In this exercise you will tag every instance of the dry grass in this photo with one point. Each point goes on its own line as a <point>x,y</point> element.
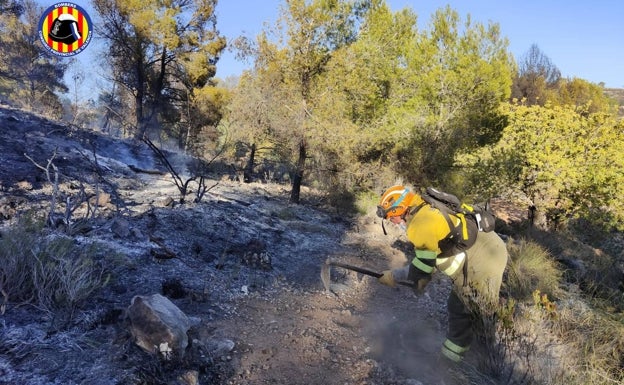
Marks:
<point>531,268</point>
<point>553,336</point>
<point>595,342</point>
<point>48,271</point>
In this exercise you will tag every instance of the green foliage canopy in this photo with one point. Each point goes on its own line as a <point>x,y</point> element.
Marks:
<point>567,163</point>
<point>290,63</point>
<point>447,83</point>
<point>587,97</point>
<point>376,94</point>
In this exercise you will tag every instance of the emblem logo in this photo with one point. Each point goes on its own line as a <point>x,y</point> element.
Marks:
<point>65,29</point>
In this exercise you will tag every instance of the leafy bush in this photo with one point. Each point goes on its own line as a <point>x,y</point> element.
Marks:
<point>566,162</point>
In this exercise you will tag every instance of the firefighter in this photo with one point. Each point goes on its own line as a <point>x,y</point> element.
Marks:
<point>476,272</point>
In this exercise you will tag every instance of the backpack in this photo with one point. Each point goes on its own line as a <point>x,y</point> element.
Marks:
<point>474,218</point>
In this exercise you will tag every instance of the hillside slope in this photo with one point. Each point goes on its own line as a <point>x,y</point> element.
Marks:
<point>243,264</point>
<point>246,265</point>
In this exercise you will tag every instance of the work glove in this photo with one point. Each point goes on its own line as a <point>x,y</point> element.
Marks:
<point>420,284</point>
<point>387,278</point>
<point>420,279</point>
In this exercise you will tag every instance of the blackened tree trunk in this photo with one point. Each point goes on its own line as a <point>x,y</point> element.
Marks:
<point>139,99</point>
<point>251,162</point>
<point>298,177</point>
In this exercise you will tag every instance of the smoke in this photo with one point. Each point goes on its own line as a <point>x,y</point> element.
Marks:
<point>139,155</point>
<point>409,338</point>
<point>411,345</point>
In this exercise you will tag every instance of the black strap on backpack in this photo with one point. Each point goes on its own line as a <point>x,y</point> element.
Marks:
<point>465,270</point>
<point>461,236</point>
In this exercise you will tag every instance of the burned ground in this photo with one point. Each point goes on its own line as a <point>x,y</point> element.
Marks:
<point>243,264</point>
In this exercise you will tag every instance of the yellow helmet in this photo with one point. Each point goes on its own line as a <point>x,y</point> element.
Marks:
<point>394,202</point>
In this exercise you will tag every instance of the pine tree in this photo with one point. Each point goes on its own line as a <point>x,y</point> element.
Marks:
<point>164,53</point>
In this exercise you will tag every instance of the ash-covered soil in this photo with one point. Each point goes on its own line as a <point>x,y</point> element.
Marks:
<point>244,264</point>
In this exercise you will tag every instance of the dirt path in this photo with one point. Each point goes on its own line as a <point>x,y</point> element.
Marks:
<point>366,333</point>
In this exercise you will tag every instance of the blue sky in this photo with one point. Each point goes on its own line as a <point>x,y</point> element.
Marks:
<point>583,39</point>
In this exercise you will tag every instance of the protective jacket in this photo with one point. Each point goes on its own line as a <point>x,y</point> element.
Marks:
<point>426,227</point>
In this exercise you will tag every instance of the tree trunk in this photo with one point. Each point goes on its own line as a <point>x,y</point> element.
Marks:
<point>298,177</point>
<point>138,111</point>
<point>251,162</point>
<point>537,219</point>
<point>155,104</point>
<point>139,97</point>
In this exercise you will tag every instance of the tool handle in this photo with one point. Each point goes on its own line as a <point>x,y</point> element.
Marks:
<point>366,271</point>
<point>359,269</point>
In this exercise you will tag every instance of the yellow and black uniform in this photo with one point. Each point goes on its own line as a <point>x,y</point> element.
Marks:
<point>426,227</point>
<point>479,268</point>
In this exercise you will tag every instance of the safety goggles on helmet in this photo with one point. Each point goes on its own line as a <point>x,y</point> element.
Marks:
<point>381,212</point>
